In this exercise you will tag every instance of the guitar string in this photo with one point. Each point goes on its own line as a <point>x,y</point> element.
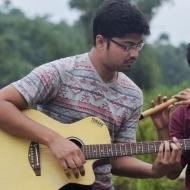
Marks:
<point>134,149</point>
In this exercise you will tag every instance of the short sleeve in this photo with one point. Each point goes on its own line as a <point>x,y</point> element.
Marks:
<point>127,131</point>
<point>40,85</point>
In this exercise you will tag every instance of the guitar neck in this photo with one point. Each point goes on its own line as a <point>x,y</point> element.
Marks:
<point>126,149</point>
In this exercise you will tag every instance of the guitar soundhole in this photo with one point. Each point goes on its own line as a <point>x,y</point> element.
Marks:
<point>75,187</point>
<point>77,141</point>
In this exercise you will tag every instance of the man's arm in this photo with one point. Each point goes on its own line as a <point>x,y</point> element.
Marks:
<point>160,119</point>
<point>13,121</point>
<point>161,122</point>
<point>183,97</point>
<point>131,167</point>
<point>169,156</point>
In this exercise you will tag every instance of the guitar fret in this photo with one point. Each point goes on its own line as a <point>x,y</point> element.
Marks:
<point>157,143</point>
<point>125,149</point>
<point>103,152</point>
<point>116,150</point>
<point>139,148</point>
<point>136,148</point>
<point>142,147</point>
<point>122,149</point>
<point>130,148</point>
<point>123,153</point>
<point>151,148</point>
<point>95,150</point>
<point>154,145</point>
<point>110,150</point>
<point>133,148</point>
<point>106,151</point>
<point>89,150</point>
<point>99,149</point>
<point>148,148</point>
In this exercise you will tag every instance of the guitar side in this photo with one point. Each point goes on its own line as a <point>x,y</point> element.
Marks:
<point>16,172</point>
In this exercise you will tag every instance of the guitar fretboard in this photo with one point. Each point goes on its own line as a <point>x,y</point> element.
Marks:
<point>126,149</point>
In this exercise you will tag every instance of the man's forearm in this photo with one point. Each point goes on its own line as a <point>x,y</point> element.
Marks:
<point>15,123</point>
<point>132,167</point>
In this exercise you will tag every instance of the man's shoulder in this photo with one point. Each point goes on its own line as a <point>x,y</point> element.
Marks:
<point>127,83</point>
<point>71,62</point>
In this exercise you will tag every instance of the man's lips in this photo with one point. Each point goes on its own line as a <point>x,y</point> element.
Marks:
<point>129,62</point>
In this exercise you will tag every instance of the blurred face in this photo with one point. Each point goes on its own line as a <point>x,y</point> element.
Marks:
<point>121,53</point>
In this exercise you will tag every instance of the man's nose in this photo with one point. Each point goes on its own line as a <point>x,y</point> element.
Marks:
<point>134,52</point>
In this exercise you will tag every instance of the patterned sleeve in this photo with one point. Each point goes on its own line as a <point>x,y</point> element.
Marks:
<point>128,130</point>
<point>40,85</point>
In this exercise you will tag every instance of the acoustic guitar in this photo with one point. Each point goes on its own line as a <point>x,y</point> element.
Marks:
<point>27,165</point>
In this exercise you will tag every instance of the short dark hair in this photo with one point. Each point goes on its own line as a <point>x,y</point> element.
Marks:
<point>116,18</point>
<point>188,54</point>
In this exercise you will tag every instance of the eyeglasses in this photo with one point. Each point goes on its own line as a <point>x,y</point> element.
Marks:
<point>128,46</point>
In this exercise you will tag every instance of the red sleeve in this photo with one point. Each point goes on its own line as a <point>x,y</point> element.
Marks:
<point>176,125</point>
<point>177,128</point>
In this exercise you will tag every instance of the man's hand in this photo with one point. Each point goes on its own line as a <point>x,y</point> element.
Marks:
<point>183,97</point>
<point>168,159</point>
<point>69,156</point>
<point>160,118</point>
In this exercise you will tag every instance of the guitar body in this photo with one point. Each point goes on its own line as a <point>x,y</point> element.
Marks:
<point>16,172</point>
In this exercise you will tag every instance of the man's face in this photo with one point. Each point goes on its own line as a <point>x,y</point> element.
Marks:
<point>121,53</point>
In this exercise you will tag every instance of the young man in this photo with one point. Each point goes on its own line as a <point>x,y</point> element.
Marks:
<point>176,126</point>
<point>75,87</point>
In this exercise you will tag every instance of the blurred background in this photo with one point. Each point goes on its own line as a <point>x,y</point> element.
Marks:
<point>34,32</point>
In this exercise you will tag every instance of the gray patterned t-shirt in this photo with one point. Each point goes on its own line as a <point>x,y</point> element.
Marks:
<point>70,89</point>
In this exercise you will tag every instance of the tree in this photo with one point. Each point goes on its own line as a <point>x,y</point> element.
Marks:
<point>26,43</point>
<point>172,62</point>
<point>146,71</point>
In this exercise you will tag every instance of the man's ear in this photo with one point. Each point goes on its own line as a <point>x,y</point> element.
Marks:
<point>101,43</point>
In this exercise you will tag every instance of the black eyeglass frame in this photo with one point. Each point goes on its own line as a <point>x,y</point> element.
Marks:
<point>128,47</point>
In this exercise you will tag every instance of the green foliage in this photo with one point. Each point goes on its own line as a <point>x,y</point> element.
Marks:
<point>162,90</point>
<point>150,184</point>
<point>26,43</point>
<point>172,62</point>
<point>88,9</point>
<point>146,72</point>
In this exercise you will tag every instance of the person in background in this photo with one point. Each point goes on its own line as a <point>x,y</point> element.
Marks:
<point>176,124</point>
<point>90,84</point>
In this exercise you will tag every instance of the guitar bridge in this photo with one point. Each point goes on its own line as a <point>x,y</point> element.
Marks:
<point>34,158</point>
